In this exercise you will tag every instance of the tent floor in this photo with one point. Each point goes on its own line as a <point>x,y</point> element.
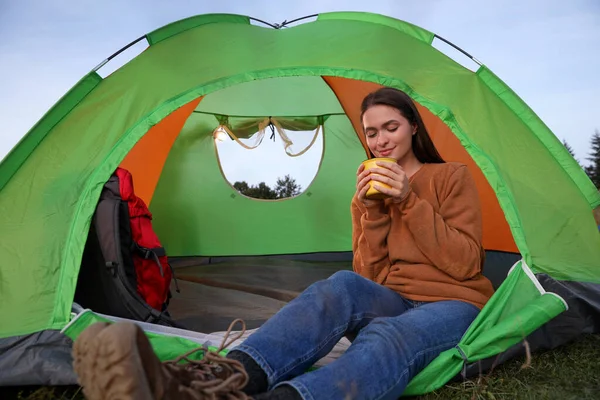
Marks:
<point>215,291</point>
<point>213,294</point>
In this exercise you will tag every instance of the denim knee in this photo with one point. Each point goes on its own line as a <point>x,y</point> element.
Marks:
<point>336,290</point>
<point>341,283</point>
<point>384,328</point>
<point>345,278</point>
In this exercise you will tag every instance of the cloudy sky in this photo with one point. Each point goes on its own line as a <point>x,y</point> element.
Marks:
<point>546,50</point>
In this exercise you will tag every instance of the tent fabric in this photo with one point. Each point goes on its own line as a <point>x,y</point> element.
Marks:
<point>582,316</point>
<point>40,358</point>
<point>157,113</point>
<point>278,227</point>
<point>520,306</point>
<point>17,156</point>
<point>155,145</point>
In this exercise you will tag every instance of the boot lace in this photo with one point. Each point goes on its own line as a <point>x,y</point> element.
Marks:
<point>214,376</point>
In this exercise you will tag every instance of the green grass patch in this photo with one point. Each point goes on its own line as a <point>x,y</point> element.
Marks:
<point>42,393</point>
<point>567,372</point>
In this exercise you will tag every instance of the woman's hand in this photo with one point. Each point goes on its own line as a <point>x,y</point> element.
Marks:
<point>362,186</point>
<point>392,174</point>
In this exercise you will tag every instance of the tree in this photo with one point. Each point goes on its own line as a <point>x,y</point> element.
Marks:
<point>260,191</point>
<point>569,149</point>
<point>593,170</point>
<point>241,187</point>
<point>263,191</point>
<point>287,187</point>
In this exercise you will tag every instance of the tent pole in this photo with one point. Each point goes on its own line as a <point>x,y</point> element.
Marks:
<point>284,23</point>
<point>117,53</point>
<point>458,48</point>
<point>263,22</point>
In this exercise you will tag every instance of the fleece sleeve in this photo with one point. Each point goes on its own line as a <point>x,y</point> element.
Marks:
<point>370,228</point>
<point>451,237</point>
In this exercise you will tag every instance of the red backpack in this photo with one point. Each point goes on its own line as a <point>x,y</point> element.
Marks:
<point>124,271</point>
<point>152,268</point>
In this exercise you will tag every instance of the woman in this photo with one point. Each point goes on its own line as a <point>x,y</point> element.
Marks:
<point>417,283</point>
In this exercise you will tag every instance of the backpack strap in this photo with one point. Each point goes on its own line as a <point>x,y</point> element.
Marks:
<point>154,253</point>
<point>147,253</point>
<point>110,214</point>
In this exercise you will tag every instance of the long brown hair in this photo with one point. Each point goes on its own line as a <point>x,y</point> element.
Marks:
<point>422,144</point>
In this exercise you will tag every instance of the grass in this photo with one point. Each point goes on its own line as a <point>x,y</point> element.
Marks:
<point>43,393</point>
<point>567,372</point>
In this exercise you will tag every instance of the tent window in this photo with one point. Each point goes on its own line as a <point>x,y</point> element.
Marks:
<point>269,158</point>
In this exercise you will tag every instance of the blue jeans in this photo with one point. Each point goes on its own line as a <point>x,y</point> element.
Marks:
<point>395,338</point>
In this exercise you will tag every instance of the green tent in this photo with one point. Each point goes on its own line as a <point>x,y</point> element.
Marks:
<point>158,116</point>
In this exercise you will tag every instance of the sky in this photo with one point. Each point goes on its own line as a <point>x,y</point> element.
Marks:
<point>545,50</point>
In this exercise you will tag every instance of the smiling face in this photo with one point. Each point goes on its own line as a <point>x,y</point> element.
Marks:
<point>388,133</point>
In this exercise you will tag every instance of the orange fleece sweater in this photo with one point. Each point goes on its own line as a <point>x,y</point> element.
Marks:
<point>428,247</point>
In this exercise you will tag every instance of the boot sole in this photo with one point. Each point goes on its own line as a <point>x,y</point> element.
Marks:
<point>108,364</point>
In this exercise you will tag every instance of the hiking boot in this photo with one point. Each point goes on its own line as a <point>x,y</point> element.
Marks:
<point>116,361</point>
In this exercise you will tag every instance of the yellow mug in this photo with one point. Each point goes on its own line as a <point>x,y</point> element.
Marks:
<point>372,193</point>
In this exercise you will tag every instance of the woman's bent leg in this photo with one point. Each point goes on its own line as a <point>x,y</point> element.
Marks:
<point>308,327</point>
<point>388,353</point>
